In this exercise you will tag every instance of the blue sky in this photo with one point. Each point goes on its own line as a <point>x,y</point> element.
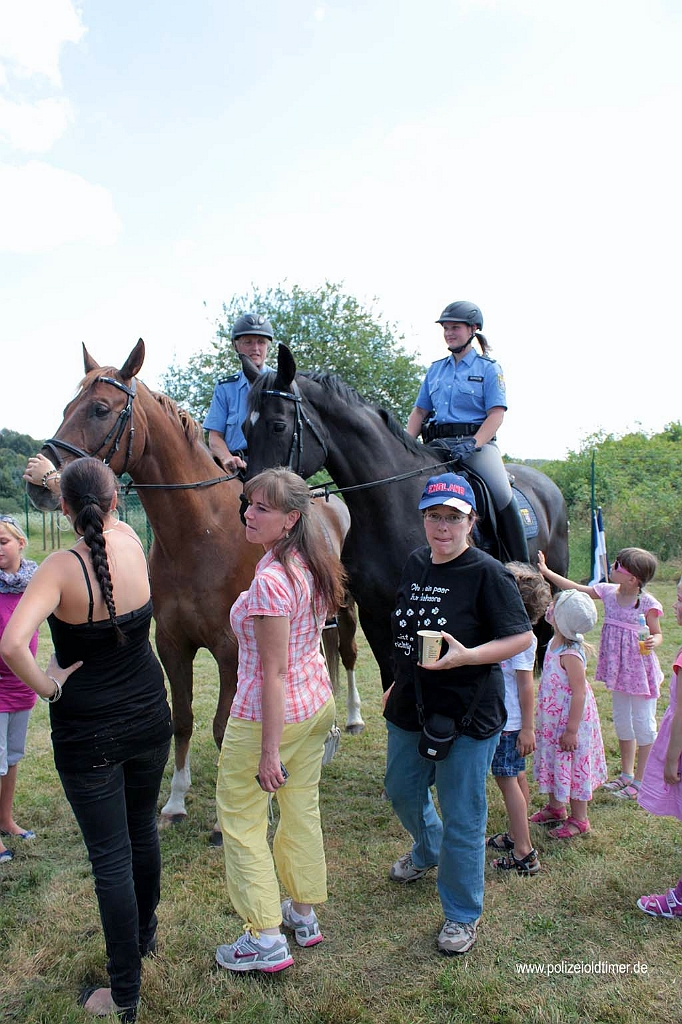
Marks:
<point>156,158</point>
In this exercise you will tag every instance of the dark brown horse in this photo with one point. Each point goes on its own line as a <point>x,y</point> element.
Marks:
<point>199,560</point>
<point>309,420</point>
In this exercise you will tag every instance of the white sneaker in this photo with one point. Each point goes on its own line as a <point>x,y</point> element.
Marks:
<point>306,933</point>
<point>457,937</point>
<point>405,870</point>
<point>247,954</point>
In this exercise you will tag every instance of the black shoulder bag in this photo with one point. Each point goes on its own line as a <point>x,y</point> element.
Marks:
<point>439,732</point>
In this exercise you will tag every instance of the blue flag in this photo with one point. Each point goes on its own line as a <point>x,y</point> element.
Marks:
<point>600,563</point>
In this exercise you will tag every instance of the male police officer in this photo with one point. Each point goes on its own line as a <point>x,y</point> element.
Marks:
<point>251,334</point>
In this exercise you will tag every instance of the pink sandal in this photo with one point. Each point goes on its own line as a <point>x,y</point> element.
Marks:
<point>548,815</point>
<point>664,905</point>
<point>571,828</point>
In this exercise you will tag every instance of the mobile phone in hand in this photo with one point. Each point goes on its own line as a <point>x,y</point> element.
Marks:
<point>284,772</point>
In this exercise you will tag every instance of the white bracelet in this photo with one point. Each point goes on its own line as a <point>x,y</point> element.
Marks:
<point>57,691</point>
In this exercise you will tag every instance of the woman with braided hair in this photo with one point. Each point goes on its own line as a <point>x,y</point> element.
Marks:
<point>111,724</point>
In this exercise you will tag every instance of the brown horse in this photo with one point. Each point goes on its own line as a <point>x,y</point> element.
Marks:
<point>200,560</point>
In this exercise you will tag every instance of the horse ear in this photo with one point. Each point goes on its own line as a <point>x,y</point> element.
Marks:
<point>88,362</point>
<point>133,363</point>
<point>286,367</point>
<point>250,369</point>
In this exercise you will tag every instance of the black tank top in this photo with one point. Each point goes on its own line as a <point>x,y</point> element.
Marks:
<point>115,705</point>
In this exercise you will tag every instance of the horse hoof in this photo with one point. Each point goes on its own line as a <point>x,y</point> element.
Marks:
<point>171,819</point>
<point>216,838</point>
<point>355,730</point>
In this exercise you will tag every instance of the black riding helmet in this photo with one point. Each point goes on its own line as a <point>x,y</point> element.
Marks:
<point>462,313</point>
<point>252,323</point>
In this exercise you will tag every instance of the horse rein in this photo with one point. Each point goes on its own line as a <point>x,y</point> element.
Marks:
<point>296,449</point>
<point>115,435</point>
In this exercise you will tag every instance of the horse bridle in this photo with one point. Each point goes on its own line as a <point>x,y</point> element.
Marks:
<point>114,435</point>
<point>295,457</point>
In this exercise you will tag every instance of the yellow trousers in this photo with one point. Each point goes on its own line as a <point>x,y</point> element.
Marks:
<point>297,849</point>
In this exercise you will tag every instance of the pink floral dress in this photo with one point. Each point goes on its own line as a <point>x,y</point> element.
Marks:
<point>566,774</point>
<point>620,665</point>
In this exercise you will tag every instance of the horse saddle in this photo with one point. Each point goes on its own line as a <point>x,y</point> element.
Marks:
<point>486,532</point>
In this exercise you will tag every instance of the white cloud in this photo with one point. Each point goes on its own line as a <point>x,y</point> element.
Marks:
<point>43,207</point>
<point>34,127</point>
<point>33,33</point>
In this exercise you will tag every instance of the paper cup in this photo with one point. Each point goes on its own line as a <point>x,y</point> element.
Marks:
<point>429,644</point>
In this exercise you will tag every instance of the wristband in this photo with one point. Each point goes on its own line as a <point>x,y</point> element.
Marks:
<point>57,691</point>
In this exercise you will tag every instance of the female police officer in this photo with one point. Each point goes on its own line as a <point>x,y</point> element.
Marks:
<point>463,401</point>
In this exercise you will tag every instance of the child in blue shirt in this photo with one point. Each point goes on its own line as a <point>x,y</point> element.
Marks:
<point>518,738</point>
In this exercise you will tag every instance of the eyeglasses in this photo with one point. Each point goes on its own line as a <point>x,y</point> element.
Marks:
<point>434,518</point>
<point>9,519</point>
<point>623,568</point>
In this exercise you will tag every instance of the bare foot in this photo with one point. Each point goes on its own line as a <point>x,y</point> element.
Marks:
<point>11,828</point>
<point>100,1002</point>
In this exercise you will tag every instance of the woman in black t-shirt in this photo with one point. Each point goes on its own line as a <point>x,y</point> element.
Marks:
<point>452,588</point>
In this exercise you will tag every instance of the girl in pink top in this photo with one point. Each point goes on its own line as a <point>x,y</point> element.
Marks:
<point>661,789</point>
<point>634,678</point>
<point>16,699</point>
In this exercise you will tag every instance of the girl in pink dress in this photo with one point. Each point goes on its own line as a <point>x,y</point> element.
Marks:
<point>16,699</point>
<point>661,789</point>
<point>569,759</point>
<point>633,675</point>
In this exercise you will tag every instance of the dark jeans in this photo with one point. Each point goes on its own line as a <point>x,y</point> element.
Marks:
<point>115,807</point>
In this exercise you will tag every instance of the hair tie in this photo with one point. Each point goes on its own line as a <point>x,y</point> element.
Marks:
<point>90,499</point>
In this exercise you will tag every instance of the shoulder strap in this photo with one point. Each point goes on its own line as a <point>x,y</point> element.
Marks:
<point>87,583</point>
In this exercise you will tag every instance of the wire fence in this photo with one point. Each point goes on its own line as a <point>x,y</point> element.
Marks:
<point>46,528</point>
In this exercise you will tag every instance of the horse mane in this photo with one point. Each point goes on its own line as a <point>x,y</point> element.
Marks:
<point>334,385</point>
<point>189,426</point>
<point>191,429</point>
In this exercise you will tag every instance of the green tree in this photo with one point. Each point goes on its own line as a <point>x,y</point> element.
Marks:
<point>14,450</point>
<point>326,329</point>
<point>636,483</point>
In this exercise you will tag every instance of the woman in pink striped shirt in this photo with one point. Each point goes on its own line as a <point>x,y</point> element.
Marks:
<point>280,716</point>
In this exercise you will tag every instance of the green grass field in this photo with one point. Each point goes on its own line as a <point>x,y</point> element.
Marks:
<point>379,961</point>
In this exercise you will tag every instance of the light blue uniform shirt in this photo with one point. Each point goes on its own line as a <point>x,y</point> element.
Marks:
<point>462,392</point>
<point>228,409</point>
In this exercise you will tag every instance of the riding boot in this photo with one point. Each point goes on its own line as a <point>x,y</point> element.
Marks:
<point>512,533</point>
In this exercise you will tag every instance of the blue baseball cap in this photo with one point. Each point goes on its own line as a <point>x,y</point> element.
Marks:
<point>448,489</point>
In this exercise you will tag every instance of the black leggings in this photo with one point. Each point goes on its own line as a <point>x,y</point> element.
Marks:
<point>115,807</point>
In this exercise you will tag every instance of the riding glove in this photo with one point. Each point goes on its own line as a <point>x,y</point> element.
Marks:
<point>463,449</point>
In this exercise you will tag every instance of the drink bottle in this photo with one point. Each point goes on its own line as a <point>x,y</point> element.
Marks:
<point>643,635</point>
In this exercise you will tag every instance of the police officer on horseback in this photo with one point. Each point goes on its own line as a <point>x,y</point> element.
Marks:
<point>461,405</point>
<point>251,335</point>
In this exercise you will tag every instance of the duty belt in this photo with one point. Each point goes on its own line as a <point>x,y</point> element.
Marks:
<point>432,431</point>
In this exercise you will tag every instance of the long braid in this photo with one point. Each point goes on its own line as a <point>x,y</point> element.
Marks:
<point>88,488</point>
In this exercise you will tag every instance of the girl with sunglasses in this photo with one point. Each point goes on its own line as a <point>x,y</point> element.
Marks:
<point>633,678</point>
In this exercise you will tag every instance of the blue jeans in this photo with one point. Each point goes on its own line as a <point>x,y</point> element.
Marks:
<point>115,807</point>
<point>457,843</point>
